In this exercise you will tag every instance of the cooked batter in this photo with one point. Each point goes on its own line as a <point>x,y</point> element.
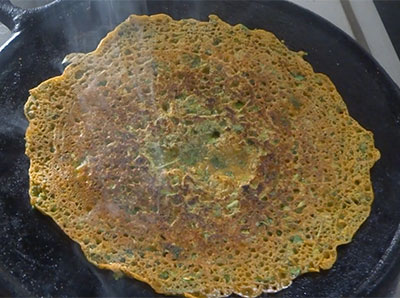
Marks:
<point>202,158</point>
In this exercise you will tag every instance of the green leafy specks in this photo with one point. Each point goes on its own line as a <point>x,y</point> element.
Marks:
<point>243,27</point>
<point>192,60</point>
<point>237,127</point>
<point>294,148</point>
<point>203,174</point>
<point>166,192</point>
<point>196,61</point>
<point>299,210</point>
<point>216,41</point>
<point>229,174</point>
<point>266,222</point>
<point>218,162</point>
<point>156,153</point>
<point>192,105</point>
<point>263,135</point>
<point>79,74</point>
<point>259,279</point>
<point>232,205</point>
<point>175,251</point>
<point>285,121</point>
<point>102,83</point>
<point>255,109</point>
<point>245,231</point>
<point>190,154</point>
<point>264,280</point>
<point>134,211</point>
<point>206,235</point>
<point>129,252</point>
<point>154,66</point>
<point>29,112</point>
<point>295,271</point>
<point>295,102</point>
<point>298,76</point>
<point>363,147</point>
<point>239,104</point>
<point>164,275</point>
<point>165,106</point>
<point>217,210</point>
<point>339,109</point>
<point>227,277</point>
<point>36,190</point>
<point>250,142</point>
<point>206,69</point>
<point>180,96</point>
<point>296,239</point>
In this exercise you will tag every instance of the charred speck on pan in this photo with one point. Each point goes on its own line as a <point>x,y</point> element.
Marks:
<point>202,158</point>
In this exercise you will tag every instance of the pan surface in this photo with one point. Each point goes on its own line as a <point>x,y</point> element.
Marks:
<point>37,259</point>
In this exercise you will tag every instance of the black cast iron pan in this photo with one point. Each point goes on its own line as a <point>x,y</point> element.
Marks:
<point>37,259</point>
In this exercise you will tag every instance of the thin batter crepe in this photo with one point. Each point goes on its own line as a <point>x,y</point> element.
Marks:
<point>202,158</point>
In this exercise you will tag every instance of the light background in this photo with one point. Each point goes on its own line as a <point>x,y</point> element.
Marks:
<point>358,18</point>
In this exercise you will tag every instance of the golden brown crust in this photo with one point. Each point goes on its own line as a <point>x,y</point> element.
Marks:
<point>201,158</point>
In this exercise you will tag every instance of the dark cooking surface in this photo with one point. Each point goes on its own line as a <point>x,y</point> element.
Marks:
<point>36,258</point>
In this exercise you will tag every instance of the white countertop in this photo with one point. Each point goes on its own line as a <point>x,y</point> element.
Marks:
<point>351,15</point>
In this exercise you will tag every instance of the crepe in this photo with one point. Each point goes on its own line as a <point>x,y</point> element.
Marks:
<point>202,158</point>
